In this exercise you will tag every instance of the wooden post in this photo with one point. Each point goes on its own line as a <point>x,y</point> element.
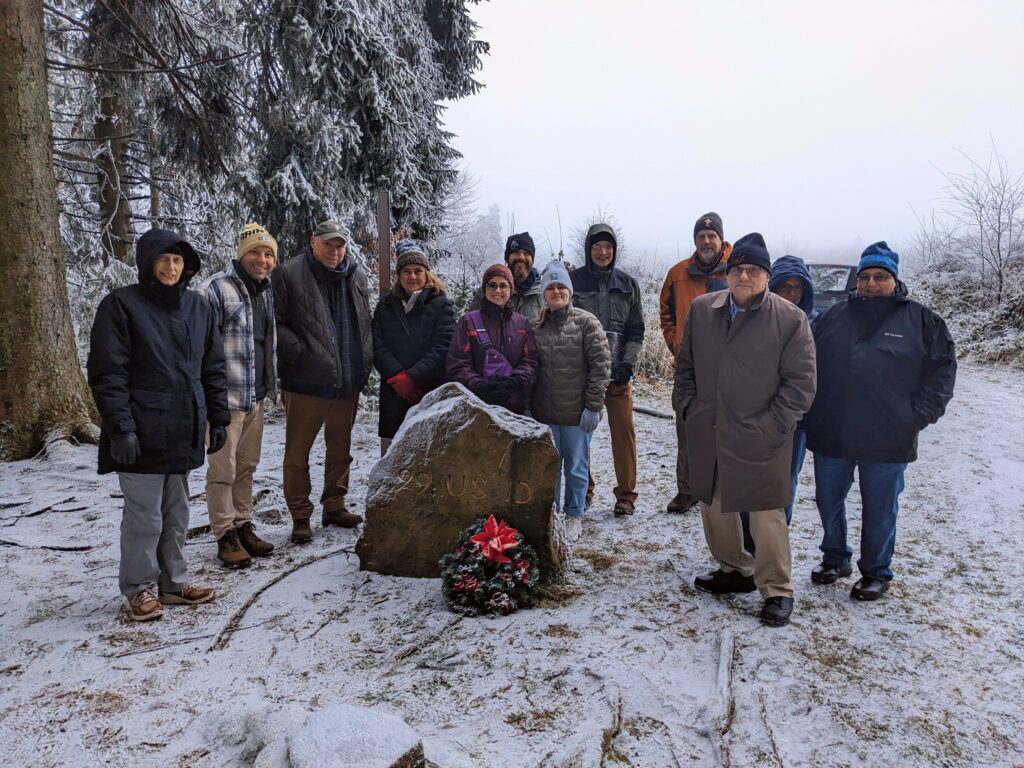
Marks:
<point>384,239</point>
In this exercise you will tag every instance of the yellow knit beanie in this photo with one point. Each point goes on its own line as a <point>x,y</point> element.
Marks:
<point>253,236</point>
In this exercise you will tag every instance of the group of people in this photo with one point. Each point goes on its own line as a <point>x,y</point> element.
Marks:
<point>178,373</point>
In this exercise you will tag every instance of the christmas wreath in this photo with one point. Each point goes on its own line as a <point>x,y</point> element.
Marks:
<point>492,571</point>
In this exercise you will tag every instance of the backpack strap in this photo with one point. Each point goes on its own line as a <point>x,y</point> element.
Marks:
<point>481,332</point>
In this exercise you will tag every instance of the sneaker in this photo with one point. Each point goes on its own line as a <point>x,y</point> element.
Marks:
<point>681,502</point>
<point>342,518</point>
<point>776,611</point>
<point>827,573</point>
<point>725,582</point>
<point>623,508</point>
<point>190,595</point>
<point>301,532</point>
<point>143,606</point>
<point>230,551</point>
<point>252,543</point>
<point>869,588</point>
<point>573,528</point>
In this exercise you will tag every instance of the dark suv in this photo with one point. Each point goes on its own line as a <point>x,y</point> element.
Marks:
<point>832,283</point>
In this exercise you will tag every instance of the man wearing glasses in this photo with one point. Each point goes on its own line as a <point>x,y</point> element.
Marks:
<point>602,289</point>
<point>886,370</point>
<point>745,376</point>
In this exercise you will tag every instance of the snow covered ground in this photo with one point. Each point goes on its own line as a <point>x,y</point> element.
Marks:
<point>623,665</point>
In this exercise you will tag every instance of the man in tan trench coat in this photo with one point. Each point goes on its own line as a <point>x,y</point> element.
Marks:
<point>745,374</point>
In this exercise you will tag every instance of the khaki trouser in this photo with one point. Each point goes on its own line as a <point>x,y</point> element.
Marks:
<point>229,472</point>
<point>771,565</point>
<point>618,401</point>
<point>304,416</point>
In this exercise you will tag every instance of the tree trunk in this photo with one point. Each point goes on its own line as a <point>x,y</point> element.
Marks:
<point>43,394</point>
<point>111,134</point>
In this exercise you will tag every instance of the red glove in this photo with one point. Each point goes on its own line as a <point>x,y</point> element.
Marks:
<point>403,384</point>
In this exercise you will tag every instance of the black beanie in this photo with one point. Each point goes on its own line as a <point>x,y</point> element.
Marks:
<point>602,237</point>
<point>520,242</point>
<point>708,221</point>
<point>750,249</point>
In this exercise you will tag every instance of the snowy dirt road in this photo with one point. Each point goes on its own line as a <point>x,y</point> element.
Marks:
<point>624,664</point>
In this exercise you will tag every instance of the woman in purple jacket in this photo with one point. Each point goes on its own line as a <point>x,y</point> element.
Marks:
<point>493,353</point>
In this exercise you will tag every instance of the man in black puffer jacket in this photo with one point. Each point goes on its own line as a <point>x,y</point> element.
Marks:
<point>156,369</point>
<point>324,355</point>
<point>886,370</point>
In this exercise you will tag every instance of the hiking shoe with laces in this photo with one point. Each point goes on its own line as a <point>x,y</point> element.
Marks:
<point>230,551</point>
<point>252,543</point>
<point>143,606</point>
<point>776,611</point>
<point>301,532</point>
<point>341,517</point>
<point>681,502</point>
<point>190,595</point>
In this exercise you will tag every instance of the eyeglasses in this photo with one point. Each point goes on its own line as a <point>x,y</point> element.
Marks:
<point>879,278</point>
<point>602,246</point>
<point>748,271</point>
<point>496,287</point>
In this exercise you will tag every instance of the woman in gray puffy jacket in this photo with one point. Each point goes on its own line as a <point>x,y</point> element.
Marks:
<point>568,395</point>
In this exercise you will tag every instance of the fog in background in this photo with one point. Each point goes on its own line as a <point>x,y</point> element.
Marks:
<point>814,123</point>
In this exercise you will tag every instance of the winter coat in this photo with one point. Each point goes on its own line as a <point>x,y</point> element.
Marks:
<point>575,366</point>
<point>416,342</point>
<point>527,299</point>
<point>743,386</point>
<point>789,267</point>
<point>156,366</point>
<point>683,284</point>
<point>309,359</point>
<point>886,370</point>
<point>511,334</point>
<point>233,315</point>
<point>614,298</point>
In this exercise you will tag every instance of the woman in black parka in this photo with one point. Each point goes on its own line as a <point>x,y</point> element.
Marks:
<point>156,370</point>
<point>412,328</point>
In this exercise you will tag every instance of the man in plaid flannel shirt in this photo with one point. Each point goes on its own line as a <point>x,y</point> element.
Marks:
<point>243,309</point>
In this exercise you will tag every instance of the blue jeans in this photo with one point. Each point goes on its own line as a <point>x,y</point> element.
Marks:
<point>573,446</point>
<point>799,451</point>
<point>880,486</point>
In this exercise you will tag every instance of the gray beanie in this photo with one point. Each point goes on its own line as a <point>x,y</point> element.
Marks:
<point>555,274</point>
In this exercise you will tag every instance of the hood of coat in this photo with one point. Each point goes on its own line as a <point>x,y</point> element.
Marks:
<point>158,241</point>
<point>593,232</point>
<point>789,267</point>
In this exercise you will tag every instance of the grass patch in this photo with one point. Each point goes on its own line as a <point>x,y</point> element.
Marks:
<point>532,722</point>
<point>599,560</point>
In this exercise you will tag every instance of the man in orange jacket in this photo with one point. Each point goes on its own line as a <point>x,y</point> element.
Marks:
<point>704,272</point>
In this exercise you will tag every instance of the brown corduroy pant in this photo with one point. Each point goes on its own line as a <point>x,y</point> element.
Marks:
<point>618,402</point>
<point>304,416</point>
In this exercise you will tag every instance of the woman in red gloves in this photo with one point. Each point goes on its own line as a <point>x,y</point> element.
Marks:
<point>412,328</point>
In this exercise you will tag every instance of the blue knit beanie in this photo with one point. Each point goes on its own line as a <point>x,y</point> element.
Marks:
<point>555,274</point>
<point>879,255</point>
<point>750,249</point>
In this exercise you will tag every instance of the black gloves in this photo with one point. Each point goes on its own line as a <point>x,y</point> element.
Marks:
<point>496,391</point>
<point>218,436</point>
<point>622,373</point>
<point>125,448</point>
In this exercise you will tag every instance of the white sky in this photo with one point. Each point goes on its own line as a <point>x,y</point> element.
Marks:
<point>815,123</point>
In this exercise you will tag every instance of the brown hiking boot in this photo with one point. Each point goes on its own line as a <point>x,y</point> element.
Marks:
<point>230,551</point>
<point>301,532</point>
<point>341,517</point>
<point>252,543</point>
<point>190,595</point>
<point>143,606</point>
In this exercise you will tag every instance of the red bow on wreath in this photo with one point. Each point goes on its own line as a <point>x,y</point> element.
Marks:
<point>494,539</point>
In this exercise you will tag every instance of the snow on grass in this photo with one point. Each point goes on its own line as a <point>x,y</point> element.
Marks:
<point>619,665</point>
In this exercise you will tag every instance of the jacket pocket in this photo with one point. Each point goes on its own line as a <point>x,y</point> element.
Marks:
<point>149,409</point>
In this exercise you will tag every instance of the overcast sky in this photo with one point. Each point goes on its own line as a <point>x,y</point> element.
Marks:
<point>815,123</point>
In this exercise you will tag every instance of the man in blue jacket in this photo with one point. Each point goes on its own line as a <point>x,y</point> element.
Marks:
<point>886,370</point>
